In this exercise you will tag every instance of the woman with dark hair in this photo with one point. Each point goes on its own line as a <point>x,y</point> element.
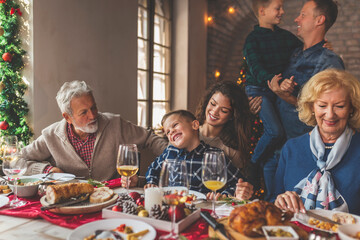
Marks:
<point>225,118</point>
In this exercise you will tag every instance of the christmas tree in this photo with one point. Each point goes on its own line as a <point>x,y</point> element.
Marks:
<point>13,108</point>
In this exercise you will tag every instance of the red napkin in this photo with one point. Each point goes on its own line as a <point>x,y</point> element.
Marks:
<point>113,183</point>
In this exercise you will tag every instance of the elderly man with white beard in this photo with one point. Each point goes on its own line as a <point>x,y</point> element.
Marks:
<point>85,143</point>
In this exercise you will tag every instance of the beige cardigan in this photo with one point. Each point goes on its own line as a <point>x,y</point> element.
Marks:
<point>53,148</point>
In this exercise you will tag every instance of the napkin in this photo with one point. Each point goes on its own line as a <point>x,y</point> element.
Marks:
<point>113,183</point>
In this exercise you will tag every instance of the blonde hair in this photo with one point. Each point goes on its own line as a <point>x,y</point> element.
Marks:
<point>328,80</point>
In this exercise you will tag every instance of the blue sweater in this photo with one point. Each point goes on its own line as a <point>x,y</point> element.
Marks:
<point>296,162</point>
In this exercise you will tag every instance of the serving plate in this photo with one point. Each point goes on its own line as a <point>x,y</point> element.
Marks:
<point>80,208</point>
<point>304,219</point>
<point>110,224</point>
<point>198,195</point>
<point>56,178</point>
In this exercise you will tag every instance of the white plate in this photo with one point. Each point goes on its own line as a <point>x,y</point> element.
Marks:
<point>3,201</point>
<point>109,224</point>
<point>304,219</point>
<point>198,195</point>
<point>60,177</point>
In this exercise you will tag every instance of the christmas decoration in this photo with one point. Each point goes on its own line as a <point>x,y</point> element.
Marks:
<point>135,195</point>
<point>130,207</point>
<point>179,213</point>
<point>257,128</point>
<point>140,201</point>
<point>4,125</point>
<point>7,57</point>
<point>1,31</point>
<point>13,108</point>
<point>117,208</point>
<point>143,213</point>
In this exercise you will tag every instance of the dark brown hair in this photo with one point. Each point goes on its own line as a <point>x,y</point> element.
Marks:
<point>236,132</point>
<point>329,9</point>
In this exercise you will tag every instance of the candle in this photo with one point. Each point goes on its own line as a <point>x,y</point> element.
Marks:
<point>153,196</point>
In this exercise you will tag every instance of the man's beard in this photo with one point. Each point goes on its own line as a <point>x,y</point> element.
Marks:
<point>88,128</point>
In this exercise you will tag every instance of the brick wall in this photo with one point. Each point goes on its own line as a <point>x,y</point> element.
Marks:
<point>226,35</point>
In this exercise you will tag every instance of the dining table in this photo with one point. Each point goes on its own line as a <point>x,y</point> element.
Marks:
<point>34,224</point>
<point>31,223</point>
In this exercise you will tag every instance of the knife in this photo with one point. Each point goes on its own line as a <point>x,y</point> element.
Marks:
<point>68,203</point>
<point>321,218</point>
<point>214,224</point>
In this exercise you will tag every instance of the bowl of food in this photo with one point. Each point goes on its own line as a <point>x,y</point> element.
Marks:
<point>280,233</point>
<point>26,187</point>
<point>349,231</point>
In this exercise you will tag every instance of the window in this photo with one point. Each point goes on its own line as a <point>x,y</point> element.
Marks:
<point>153,61</point>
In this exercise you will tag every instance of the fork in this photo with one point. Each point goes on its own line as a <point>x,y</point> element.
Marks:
<point>44,177</point>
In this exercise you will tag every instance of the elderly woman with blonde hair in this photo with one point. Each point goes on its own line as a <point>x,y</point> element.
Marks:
<point>321,169</point>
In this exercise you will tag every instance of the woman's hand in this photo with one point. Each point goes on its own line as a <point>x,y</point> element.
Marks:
<point>290,201</point>
<point>244,190</point>
<point>149,185</point>
<point>210,196</point>
<point>132,181</point>
<point>255,104</point>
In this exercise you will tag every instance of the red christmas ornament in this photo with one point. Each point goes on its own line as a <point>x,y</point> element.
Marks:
<point>2,1</point>
<point>140,201</point>
<point>117,208</point>
<point>4,125</point>
<point>13,10</point>
<point>179,213</point>
<point>135,195</point>
<point>7,57</point>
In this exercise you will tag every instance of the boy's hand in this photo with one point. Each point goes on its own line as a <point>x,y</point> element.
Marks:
<point>132,181</point>
<point>149,185</point>
<point>274,84</point>
<point>328,45</point>
<point>255,104</point>
<point>244,190</point>
<point>210,196</point>
<point>288,85</point>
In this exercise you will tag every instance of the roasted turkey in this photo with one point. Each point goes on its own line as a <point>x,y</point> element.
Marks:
<point>248,219</point>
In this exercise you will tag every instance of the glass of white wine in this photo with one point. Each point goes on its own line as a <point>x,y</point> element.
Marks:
<point>14,166</point>
<point>174,184</point>
<point>127,163</point>
<point>214,173</point>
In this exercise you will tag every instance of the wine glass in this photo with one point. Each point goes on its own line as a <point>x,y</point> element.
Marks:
<point>14,166</point>
<point>127,163</point>
<point>214,173</point>
<point>6,140</point>
<point>174,184</point>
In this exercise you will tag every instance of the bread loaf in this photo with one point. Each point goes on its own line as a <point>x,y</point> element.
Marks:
<point>101,194</point>
<point>63,192</point>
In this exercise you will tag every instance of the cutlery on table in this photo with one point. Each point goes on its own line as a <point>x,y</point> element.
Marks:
<point>68,203</point>
<point>45,177</point>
